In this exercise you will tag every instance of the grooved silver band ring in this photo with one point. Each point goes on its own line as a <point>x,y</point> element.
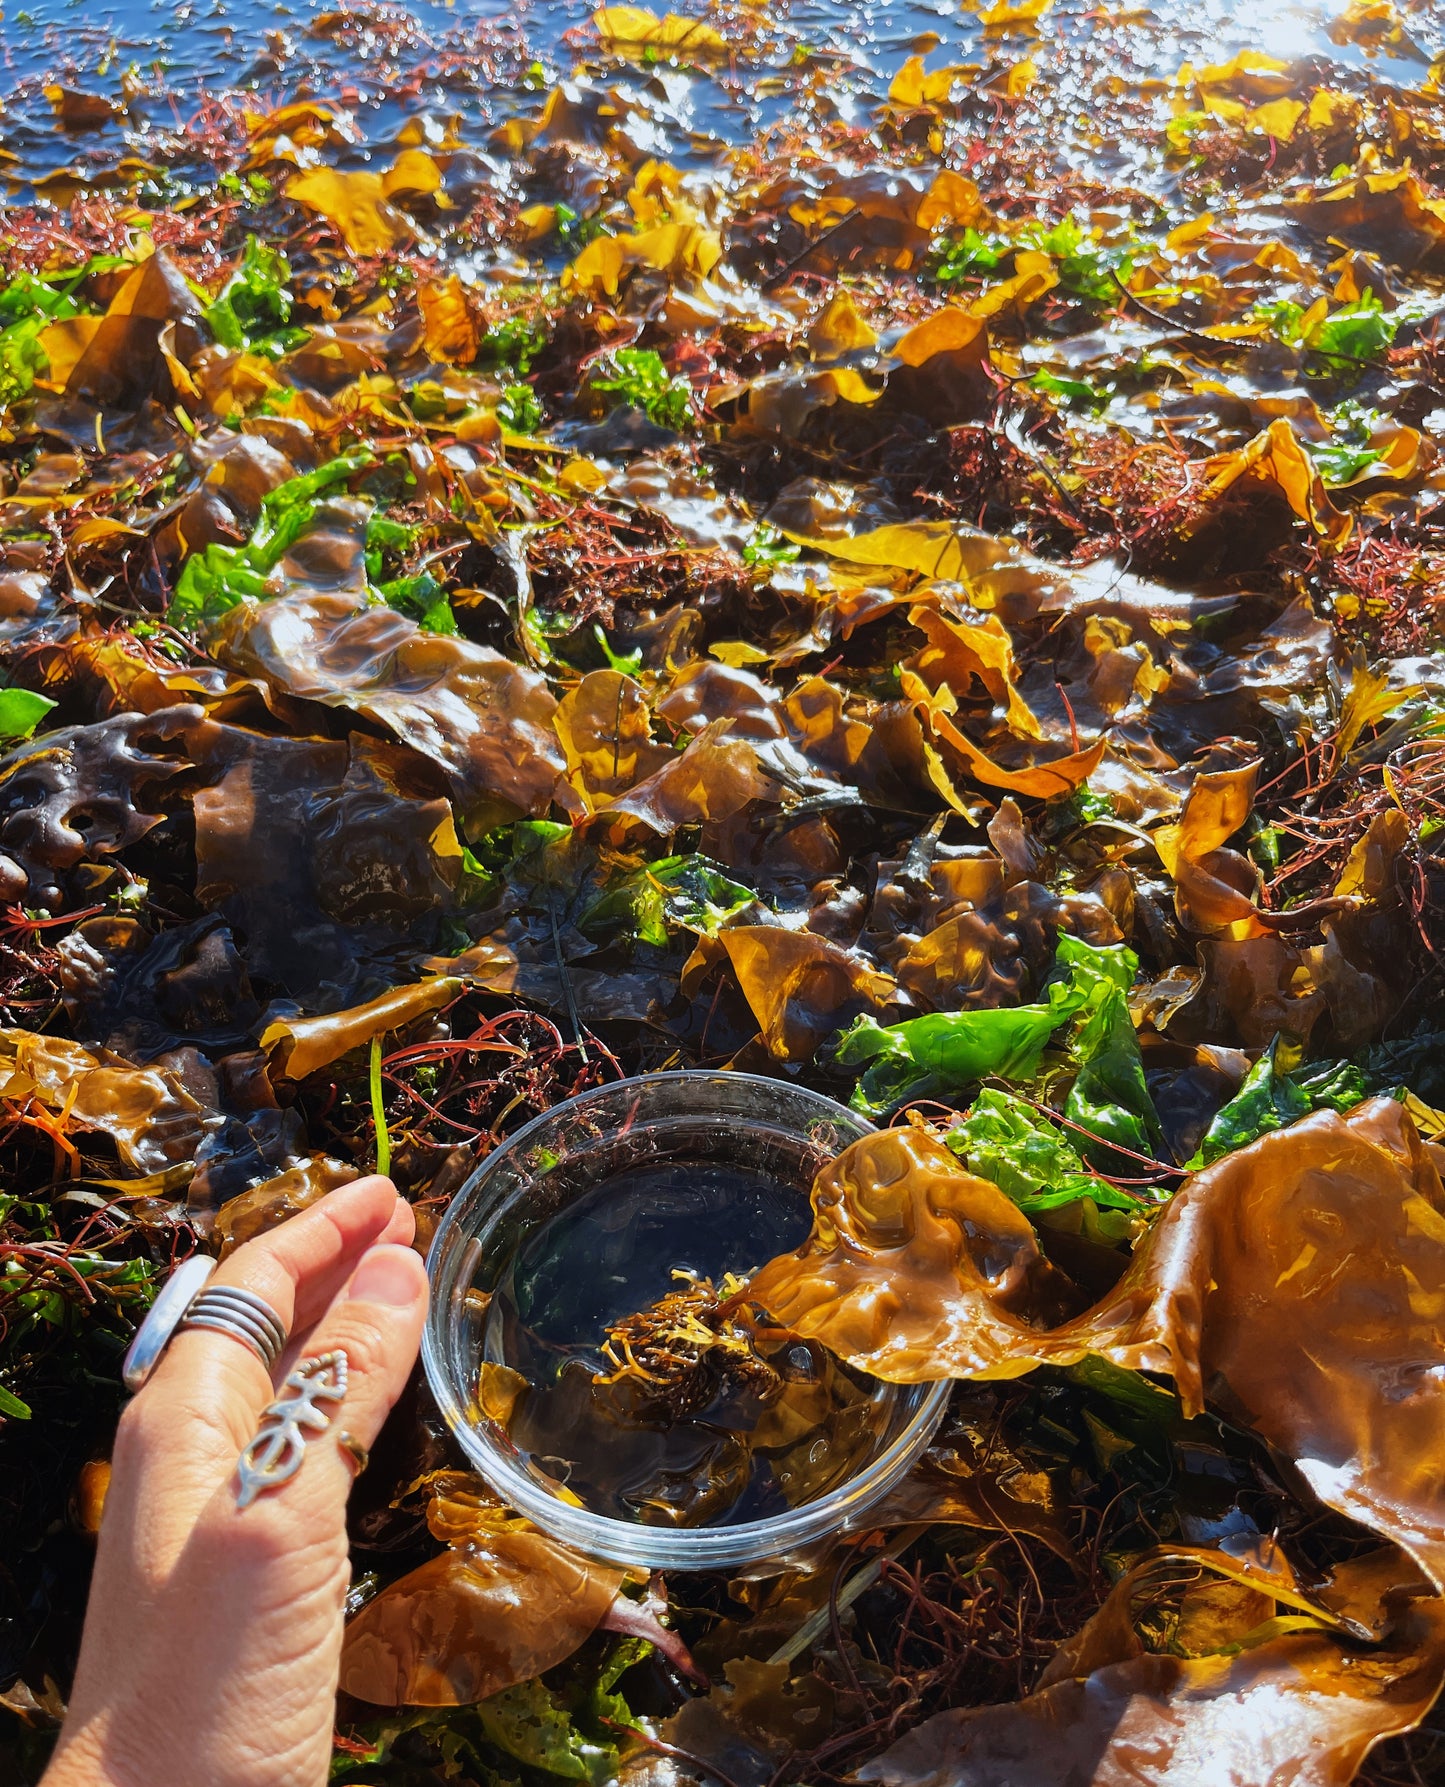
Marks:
<point>183,1302</point>
<point>225,1309</point>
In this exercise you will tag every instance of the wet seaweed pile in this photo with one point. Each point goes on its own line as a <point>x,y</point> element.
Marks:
<point>679,549</point>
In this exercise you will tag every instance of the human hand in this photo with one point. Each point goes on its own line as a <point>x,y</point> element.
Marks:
<point>213,1634</point>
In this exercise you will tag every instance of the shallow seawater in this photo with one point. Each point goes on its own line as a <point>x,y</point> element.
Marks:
<point>721,1442</point>
<point>482,63</point>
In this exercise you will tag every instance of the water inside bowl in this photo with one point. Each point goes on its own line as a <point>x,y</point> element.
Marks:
<point>721,1440</point>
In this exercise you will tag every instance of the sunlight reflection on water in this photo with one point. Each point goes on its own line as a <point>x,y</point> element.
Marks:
<point>245,41</point>
<point>484,62</point>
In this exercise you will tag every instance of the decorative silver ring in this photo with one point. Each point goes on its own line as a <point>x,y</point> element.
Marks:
<point>276,1452</point>
<point>227,1309</point>
<point>165,1315</point>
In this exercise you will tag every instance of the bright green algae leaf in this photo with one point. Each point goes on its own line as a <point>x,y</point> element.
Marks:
<point>1130,1389</point>
<point>691,892</point>
<point>768,547</point>
<point>1073,392</point>
<point>1354,334</point>
<point>947,1049</point>
<point>698,894</point>
<point>1032,1159</point>
<point>27,297</point>
<point>1357,332</point>
<point>971,255</point>
<point>1086,267</point>
<point>565,1732</point>
<point>1086,805</point>
<point>1109,1099</point>
<point>530,1723</point>
<point>944,1049</point>
<point>1350,452</point>
<point>519,409</point>
<point>513,344</point>
<point>1029,1158</point>
<point>424,599</point>
<point>27,305</point>
<point>253,308</point>
<point>637,376</point>
<point>12,1407</point>
<point>1273,1098</point>
<point>1282,317</point>
<point>21,712</point>
<point>385,535</point>
<point>218,579</point>
<point>22,359</point>
<point>604,1703</point>
<point>627,663</point>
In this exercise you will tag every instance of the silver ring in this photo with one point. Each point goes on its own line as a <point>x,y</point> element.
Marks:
<point>165,1315</point>
<point>276,1452</point>
<point>227,1309</point>
<point>249,1310</point>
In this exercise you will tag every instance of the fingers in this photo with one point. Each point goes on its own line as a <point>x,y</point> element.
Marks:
<point>299,1267</point>
<point>377,1322</point>
<point>180,1439</point>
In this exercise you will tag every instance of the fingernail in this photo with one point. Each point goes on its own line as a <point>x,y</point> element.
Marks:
<point>387,1275</point>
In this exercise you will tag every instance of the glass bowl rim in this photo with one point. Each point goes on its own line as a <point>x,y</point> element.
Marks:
<point>630,1543</point>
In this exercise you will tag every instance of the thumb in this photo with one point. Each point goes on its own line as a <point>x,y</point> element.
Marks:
<point>377,1322</point>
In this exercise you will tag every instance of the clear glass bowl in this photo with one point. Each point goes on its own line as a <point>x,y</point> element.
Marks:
<point>732,1119</point>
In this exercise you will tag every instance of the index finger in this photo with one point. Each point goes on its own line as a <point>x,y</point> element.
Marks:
<point>298,1268</point>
